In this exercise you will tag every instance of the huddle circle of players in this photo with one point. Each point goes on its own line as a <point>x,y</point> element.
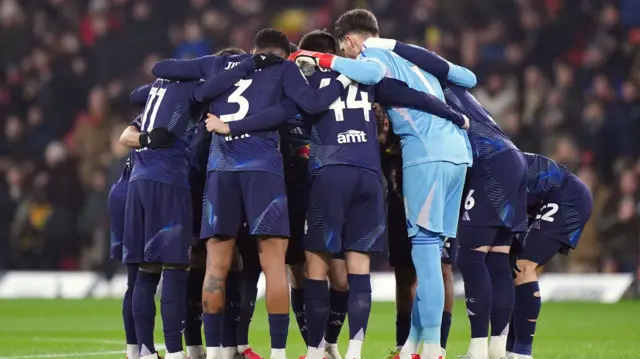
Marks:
<point>271,162</point>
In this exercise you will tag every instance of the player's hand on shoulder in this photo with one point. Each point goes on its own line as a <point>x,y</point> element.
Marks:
<point>214,124</point>
<point>159,137</point>
<point>265,60</point>
<point>319,59</point>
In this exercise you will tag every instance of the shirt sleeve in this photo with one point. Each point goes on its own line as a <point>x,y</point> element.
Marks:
<point>196,69</point>
<point>139,95</point>
<point>137,122</point>
<point>442,69</point>
<point>395,93</point>
<point>365,71</point>
<point>217,84</point>
<point>270,118</point>
<point>312,101</point>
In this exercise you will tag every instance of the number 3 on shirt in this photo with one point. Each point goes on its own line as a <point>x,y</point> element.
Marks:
<point>338,105</point>
<point>243,103</point>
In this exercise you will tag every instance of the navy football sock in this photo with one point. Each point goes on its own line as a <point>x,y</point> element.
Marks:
<point>403,324</point>
<point>279,330</point>
<point>444,329</point>
<point>503,291</point>
<point>173,307</point>
<point>511,337</point>
<point>213,324</point>
<point>127,303</point>
<point>232,312</point>
<point>359,305</point>
<point>144,310</point>
<point>249,291</point>
<point>526,312</point>
<point>477,290</point>
<point>316,310</point>
<point>297,305</point>
<point>193,323</point>
<point>338,302</point>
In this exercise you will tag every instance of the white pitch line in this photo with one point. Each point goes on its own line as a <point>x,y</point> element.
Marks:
<point>77,340</point>
<point>72,355</point>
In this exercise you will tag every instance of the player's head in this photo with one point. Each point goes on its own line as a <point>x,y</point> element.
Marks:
<point>353,28</point>
<point>273,41</point>
<point>230,51</point>
<point>320,41</point>
<point>292,47</point>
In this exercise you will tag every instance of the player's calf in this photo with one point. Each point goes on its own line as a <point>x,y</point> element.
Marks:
<point>406,283</point>
<point>173,307</point>
<point>297,277</point>
<point>219,259</point>
<point>527,308</point>
<point>272,259</point>
<point>359,304</point>
<point>133,351</point>
<point>233,297</point>
<point>144,306</point>
<point>193,322</point>
<point>338,303</point>
<point>502,299</point>
<point>445,327</point>
<point>316,299</point>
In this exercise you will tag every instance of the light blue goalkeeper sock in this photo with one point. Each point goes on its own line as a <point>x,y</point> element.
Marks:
<point>430,291</point>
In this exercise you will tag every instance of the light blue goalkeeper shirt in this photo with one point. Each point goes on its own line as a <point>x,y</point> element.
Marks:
<point>424,137</point>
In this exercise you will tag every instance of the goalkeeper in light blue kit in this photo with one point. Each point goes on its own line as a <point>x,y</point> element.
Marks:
<point>435,154</point>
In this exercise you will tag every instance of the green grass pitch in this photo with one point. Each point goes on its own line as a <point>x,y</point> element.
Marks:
<point>92,329</point>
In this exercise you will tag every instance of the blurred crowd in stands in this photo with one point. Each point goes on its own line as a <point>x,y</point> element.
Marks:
<point>561,77</point>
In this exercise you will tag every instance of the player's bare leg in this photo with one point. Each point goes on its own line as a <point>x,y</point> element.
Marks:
<point>359,306</point>
<point>297,274</point>
<point>447,277</point>
<point>338,301</point>
<point>193,322</point>
<point>219,260</point>
<point>527,308</point>
<point>144,307</point>
<point>272,259</point>
<point>502,301</point>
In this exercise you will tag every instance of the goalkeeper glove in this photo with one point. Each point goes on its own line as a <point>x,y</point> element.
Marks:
<point>316,58</point>
<point>159,137</point>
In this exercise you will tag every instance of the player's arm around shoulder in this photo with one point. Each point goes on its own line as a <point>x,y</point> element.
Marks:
<point>198,68</point>
<point>365,70</point>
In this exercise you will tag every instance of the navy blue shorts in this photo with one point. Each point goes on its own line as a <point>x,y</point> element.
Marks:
<point>298,198</point>
<point>255,197</point>
<point>564,214</point>
<point>346,211</point>
<point>117,205</point>
<point>495,193</point>
<point>537,248</point>
<point>157,223</point>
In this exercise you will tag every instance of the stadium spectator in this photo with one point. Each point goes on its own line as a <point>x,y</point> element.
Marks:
<point>560,77</point>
